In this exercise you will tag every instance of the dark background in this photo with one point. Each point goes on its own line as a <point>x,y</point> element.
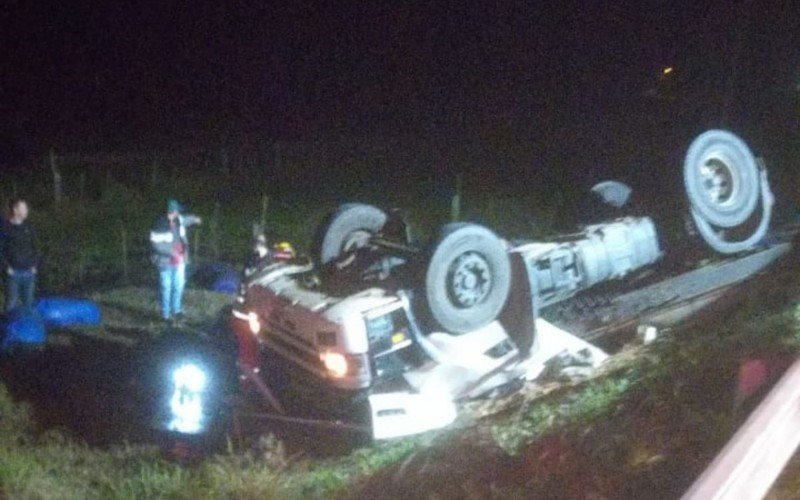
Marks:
<point>559,88</point>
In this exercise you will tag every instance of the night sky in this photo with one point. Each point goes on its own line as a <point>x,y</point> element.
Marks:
<point>118,74</point>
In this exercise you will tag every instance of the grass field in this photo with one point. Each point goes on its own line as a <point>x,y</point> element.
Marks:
<point>100,239</point>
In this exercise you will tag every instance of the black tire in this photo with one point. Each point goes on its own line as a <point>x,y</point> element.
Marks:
<point>721,178</point>
<point>468,279</point>
<point>346,228</point>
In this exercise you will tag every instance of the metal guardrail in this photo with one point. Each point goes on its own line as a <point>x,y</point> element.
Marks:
<point>754,458</point>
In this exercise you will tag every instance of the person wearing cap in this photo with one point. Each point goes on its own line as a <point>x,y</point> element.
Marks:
<point>283,252</point>
<point>170,255</point>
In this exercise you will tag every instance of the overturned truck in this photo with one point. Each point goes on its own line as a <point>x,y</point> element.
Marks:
<point>391,335</point>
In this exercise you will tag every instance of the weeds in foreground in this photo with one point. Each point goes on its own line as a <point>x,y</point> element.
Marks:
<point>537,417</point>
<point>54,465</point>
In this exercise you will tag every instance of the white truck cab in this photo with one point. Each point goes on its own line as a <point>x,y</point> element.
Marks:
<point>346,341</point>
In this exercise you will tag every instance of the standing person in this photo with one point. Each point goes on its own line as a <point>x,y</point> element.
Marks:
<point>171,254</point>
<point>20,255</point>
<point>260,257</point>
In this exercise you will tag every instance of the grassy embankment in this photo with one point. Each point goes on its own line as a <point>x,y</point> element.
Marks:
<point>645,426</point>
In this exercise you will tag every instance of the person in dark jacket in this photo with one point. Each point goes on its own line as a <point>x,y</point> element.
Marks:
<point>171,254</point>
<point>20,255</point>
<point>260,257</point>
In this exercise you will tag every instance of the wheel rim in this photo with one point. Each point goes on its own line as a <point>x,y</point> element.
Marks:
<point>722,179</point>
<point>469,280</point>
<point>353,242</point>
<point>719,181</point>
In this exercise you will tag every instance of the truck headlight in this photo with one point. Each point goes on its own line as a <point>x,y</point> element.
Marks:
<point>335,363</point>
<point>338,365</point>
<point>189,383</point>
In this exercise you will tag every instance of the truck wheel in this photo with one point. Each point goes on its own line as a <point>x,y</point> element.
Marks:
<point>468,279</point>
<point>348,228</point>
<point>721,178</point>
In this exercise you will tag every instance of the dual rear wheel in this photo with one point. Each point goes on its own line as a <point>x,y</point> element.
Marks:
<point>467,275</point>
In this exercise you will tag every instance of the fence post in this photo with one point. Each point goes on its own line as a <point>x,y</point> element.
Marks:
<point>264,206</point>
<point>196,245</point>
<point>455,202</point>
<point>154,175</point>
<point>82,262</point>
<point>109,182</point>
<point>213,229</point>
<point>124,240</point>
<point>82,185</point>
<point>277,157</point>
<point>225,166</point>
<point>174,176</point>
<point>57,188</point>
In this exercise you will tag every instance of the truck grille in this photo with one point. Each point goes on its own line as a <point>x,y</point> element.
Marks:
<point>389,337</point>
<point>297,348</point>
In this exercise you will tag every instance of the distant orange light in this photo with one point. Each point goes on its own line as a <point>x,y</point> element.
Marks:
<point>667,70</point>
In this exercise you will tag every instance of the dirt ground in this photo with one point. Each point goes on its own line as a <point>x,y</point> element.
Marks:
<point>85,380</point>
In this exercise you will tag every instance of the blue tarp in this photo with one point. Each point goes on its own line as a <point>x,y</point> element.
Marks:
<point>218,277</point>
<point>23,326</point>
<point>60,311</point>
<point>226,283</point>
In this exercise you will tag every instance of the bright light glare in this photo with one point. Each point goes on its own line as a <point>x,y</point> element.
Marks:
<point>186,403</point>
<point>190,377</point>
<point>253,321</point>
<point>335,363</point>
<point>668,70</point>
<point>187,413</point>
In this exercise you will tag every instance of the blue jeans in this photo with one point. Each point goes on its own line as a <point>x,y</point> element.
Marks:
<point>172,279</point>
<point>20,286</point>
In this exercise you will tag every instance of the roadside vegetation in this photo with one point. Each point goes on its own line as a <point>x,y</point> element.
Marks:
<point>52,464</point>
<point>645,427</point>
<point>95,216</point>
